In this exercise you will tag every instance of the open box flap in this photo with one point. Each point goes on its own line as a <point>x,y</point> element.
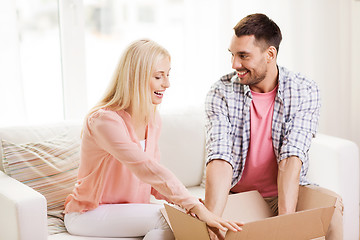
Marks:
<point>186,227</point>
<point>251,208</point>
<point>246,207</point>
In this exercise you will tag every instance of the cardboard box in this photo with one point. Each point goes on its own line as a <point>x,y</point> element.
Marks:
<point>310,221</point>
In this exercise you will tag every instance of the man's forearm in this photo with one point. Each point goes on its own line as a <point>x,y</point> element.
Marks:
<point>218,184</point>
<point>288,184</point>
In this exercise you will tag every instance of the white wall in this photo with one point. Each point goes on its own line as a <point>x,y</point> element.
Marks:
<point>321,43</point>
<point>355,73</point>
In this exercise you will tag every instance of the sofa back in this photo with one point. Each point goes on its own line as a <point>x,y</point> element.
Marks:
<point>181,142</point>
<point>182,146</point>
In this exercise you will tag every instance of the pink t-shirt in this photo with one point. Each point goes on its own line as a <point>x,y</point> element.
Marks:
<point>260,172</point>
<point>114,169</point>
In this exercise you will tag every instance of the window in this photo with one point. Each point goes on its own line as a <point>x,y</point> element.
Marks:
<point>113,24</point>
<point>31,86</point>
<point>62,54</point>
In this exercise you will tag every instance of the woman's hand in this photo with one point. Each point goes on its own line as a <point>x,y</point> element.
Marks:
<point>214,221</point>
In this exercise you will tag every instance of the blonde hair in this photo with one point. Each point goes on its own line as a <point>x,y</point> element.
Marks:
<point>130,84</point>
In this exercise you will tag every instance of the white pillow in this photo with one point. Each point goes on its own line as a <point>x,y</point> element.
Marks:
<point>49,167</point>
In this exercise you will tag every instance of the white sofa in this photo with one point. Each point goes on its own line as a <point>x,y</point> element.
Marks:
<point>334,164</point>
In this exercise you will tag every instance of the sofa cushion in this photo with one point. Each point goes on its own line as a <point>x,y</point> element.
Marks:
<point>49,167</point>
<point>39,133</point>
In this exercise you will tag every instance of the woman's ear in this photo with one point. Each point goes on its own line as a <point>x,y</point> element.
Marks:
<point>271,54</point>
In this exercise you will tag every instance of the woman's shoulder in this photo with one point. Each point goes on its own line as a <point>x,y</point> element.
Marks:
<point>106,115</point>
<point>101,113</point>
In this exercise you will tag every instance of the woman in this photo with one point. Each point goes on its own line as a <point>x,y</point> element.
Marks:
<point>119,166</point>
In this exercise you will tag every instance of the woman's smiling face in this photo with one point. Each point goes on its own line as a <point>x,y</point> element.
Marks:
<point>159,80</point>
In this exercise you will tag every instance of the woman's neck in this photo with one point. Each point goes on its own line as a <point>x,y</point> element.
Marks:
<point>139,124</point>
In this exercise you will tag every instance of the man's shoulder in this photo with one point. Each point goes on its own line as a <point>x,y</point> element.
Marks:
<point>222,89</point>
<point>290,79</point>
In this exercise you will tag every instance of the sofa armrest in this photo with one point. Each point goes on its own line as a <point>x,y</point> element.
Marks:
<point>334,164</point>
<point>23,211</point>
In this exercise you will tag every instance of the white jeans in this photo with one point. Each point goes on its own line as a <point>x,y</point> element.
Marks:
<point>120,220</point>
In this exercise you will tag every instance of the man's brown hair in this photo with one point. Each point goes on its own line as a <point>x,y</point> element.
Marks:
<point>263,28</point>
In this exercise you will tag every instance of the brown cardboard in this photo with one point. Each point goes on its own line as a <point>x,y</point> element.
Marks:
<point>251,206</point>
<point>311,220</point>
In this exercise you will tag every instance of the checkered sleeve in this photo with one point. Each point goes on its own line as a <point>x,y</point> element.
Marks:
<point>218,126</point>
<point>302,124</point>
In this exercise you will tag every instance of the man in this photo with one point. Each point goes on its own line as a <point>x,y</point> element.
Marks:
<point>260,122</point>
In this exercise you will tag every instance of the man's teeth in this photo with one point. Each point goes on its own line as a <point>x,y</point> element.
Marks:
<point>242,73</point>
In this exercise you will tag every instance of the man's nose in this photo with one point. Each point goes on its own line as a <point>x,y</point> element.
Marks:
<point>236,63</point>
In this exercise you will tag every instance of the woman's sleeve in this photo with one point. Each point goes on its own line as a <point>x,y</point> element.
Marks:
<point>111,134</point>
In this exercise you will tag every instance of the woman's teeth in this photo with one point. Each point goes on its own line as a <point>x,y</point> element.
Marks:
<point>159,93</point>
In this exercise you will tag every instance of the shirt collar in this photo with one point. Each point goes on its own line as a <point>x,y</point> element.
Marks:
<point>235,79</point>
<point>281,81</point>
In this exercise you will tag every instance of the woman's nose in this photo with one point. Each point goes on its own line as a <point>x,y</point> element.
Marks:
<point>166,82</point>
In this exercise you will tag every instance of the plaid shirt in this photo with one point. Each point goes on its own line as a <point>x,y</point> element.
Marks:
<point>294,123</point>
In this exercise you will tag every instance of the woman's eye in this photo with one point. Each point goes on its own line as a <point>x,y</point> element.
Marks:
<point>158,77</point>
